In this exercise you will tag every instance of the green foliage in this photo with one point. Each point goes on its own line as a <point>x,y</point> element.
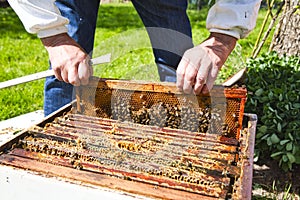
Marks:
<point>274,95</point>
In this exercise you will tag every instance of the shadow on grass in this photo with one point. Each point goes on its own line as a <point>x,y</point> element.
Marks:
<point>10,24</point>
<point>118,16</point>
<point>124,17</point>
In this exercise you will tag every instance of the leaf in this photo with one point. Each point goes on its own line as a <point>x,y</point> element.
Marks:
<point>259,135</point>
<point>264,99</point>
<point>263,129</point>
<point>259,92</point>
<point>289,146</point>
<point>287,107</point>
<point>279,127</point>
<point>276,154</point>
<point>296,105</point>
<point>291,157</point>
<point>278,117</point>
<point>290,136</point>
<point>265,137</point>
<point>269,141</point>
<point>285,158</point>
<point>297,161</point>
<point>280,97</point>
<point>274,139</point>
<point>270,95</point>
<point>271,109</point>
<point>280,147</point>
<point>295,149</point>
<point>283,142</point>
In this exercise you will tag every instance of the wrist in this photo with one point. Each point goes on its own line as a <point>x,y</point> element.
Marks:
<point>227,41</point>
<point>56,40</point>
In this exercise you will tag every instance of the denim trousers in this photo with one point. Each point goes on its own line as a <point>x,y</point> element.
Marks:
<point>167,25</point>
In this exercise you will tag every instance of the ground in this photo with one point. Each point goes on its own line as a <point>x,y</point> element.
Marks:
<point>269,181</point>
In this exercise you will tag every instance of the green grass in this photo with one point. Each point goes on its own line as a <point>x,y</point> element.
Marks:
<point>20,54</point>
<point>119,31</point>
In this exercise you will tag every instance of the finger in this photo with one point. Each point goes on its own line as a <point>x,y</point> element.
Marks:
<point>189,78</point>
<point>212,76</point>
<point>57,74</point>
<point>199,83</point>
<point>91,71</point>
<point>84,72</point>
<point>201,79</point>
<point>180,73</point>
<point>205,89</point>
<point>65,75</point>
<point>73,76</point>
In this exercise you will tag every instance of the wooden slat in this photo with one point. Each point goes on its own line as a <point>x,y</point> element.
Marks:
<point>244,184</point>
<point>163,87</point>
<point>98,179</point>
<point>220,187</point>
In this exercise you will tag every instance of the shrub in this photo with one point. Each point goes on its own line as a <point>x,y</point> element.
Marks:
<point>273,84</point>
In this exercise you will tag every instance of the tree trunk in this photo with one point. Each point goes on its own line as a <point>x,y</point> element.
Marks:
<point>286,39</point>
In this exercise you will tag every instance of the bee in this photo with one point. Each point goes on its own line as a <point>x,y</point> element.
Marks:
<point>77,165</point>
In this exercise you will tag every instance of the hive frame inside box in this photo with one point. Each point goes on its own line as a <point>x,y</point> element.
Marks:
<point>100,97</point>
<point>242,186</point>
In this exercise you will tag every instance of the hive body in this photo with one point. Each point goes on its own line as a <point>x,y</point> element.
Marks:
<point>149,134</point>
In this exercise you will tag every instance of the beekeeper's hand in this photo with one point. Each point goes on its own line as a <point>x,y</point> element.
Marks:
<point>68,60</point>
<point>199,66</point>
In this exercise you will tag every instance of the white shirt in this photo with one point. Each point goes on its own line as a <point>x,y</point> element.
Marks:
<point>232,17</point>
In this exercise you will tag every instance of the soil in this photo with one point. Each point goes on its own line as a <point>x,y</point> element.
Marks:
<point>266,173</point>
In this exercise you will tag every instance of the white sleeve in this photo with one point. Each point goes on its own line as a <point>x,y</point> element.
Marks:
<point>236,18</point>
<point>41,17</point>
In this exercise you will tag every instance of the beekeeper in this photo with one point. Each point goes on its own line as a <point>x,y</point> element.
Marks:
<point>67,28</point>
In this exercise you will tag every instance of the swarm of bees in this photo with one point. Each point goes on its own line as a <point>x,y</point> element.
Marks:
<point>164,114</point>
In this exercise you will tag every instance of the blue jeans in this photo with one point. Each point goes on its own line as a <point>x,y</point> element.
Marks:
<point>167,25</point>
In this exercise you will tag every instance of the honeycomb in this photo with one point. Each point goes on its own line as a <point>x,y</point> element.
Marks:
<point>160,104</point>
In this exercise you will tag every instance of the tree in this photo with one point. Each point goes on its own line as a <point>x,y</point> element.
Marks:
<point>286,39</point>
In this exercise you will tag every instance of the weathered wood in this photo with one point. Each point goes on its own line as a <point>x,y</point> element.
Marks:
<point>99,179</point>
<point>159,87</point>
<point>51,166</point>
